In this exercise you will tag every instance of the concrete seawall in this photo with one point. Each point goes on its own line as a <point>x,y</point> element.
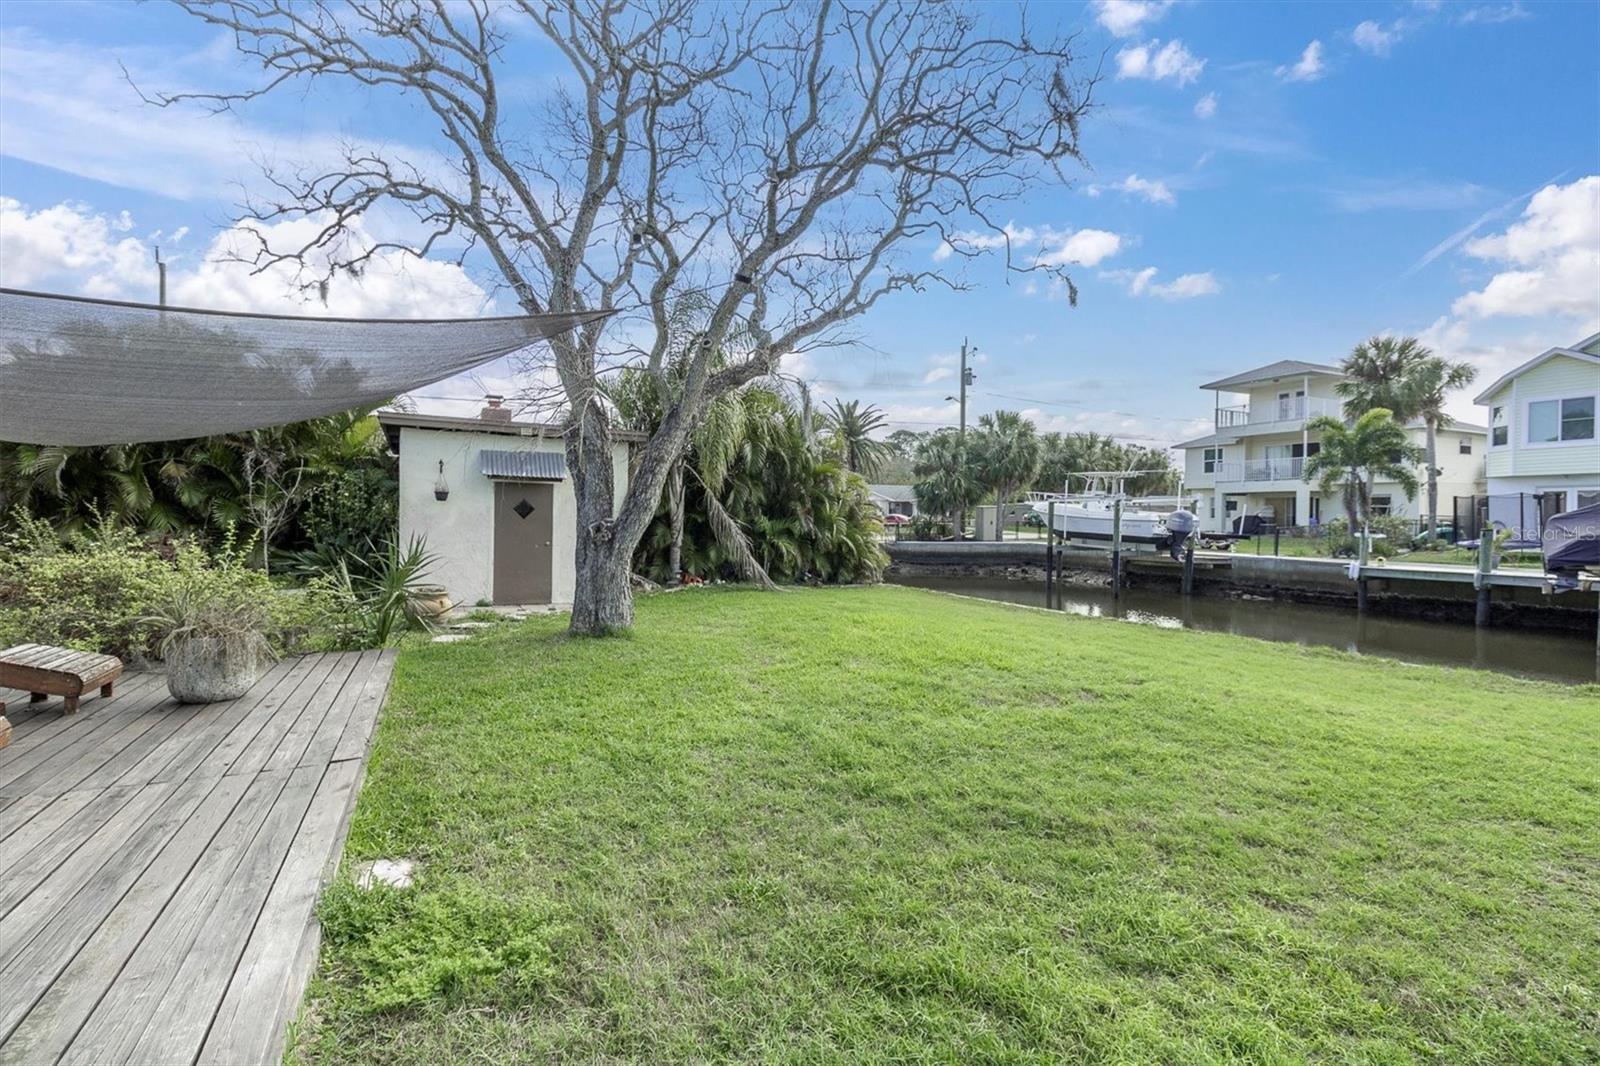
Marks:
<point>1420,592</point>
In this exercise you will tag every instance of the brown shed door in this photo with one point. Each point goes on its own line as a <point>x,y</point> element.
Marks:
<point>522,528</point>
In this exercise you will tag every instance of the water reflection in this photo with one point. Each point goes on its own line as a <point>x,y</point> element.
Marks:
<point>1531,653</point>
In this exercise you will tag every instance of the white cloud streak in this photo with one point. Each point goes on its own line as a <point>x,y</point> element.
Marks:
<point>1153,61</point>
<point>1309,67</point>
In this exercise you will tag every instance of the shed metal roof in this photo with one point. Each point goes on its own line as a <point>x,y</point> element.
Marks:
<point>523,466</point>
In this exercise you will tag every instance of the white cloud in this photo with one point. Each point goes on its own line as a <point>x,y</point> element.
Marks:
<point>1206,106</point>
<point>1494,14</point>
<point>67,239</point>
<point>1184,287</point>
<point>1126,18</point>
<point>1086,247</point>
<point>937,374</point>
<point>1407,194</point>
<point>116,138</point>
<point>1151,63</point>
<point>1554,253</point>
<point>74,249</point>
<point>1373,38</point>
<point>1156,192</point>
<point>971,241</point>
<point>1309,67</point>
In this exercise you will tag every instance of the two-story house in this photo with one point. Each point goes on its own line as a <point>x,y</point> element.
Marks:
<point>1542,441</point>
<point>1251,464</point>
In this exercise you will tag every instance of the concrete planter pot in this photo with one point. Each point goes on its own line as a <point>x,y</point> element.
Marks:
<point>430,602</point>
<point>211,669</point>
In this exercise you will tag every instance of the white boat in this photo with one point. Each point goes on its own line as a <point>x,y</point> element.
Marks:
<point>1089,516</point>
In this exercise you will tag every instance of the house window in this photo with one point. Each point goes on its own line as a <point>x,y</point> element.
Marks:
<point>1212,505</point>
<point>1380,505</point>
<point>1497,426</point>
<point>1588,497</point>
<point>1554,421</point>
<point>1209,460</point>
<point>1465,446</point>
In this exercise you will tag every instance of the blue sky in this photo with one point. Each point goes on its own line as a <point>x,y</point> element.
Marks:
<point>1268,181</point>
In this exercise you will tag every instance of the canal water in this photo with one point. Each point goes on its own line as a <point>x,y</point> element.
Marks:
<point>1530,653</point>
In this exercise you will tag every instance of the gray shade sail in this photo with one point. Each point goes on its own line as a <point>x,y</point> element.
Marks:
<point>84,372</point>
<point>523,466</point>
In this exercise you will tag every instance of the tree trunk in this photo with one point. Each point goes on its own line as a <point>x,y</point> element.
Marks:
<point>1351,494</point>
<point>675,512</point>
<point>602,598</point>
<point>1433,480</point>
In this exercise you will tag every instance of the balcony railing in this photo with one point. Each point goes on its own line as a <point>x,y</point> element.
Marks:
<point>1261,470</point>
<point>1274,412</point>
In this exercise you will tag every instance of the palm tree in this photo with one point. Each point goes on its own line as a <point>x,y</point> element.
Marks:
<point>1400,374</point>
<point>1374,376</point>
<point>1007,454</point>
<point>947,483</point>
<point>851,427</point>
<point>1354,455</point>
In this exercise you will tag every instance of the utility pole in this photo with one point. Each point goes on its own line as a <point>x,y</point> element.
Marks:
<point>966,379</point>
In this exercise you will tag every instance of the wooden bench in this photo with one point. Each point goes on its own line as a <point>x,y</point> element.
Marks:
<point>43,670</point>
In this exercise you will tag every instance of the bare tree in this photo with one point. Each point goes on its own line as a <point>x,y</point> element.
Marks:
<point>782,159</point>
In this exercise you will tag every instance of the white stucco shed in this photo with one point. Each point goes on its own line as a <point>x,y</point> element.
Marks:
<point>505,528</point>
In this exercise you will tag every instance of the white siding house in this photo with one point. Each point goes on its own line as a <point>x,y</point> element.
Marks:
<point>1542,427</point>
<point>505,530</point>
<point>1252,461</point>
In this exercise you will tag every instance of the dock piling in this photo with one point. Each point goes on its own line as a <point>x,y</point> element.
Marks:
<point>1484,613</point>
<point>1116,548</point>
<point>1188,566</point>
<point>1050,552</point>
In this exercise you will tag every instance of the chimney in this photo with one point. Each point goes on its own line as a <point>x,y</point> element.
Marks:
<point>494,409</point>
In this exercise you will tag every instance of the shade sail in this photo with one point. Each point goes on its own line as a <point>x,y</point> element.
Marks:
<point>79,371</point>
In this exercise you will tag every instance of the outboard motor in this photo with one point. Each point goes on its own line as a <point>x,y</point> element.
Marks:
<point>1180,525</point>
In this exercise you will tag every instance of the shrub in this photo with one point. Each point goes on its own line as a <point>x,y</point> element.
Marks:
<point>358,505</point>
<point>111,590</point>
<point>930,527</point>
<point>93,593</point>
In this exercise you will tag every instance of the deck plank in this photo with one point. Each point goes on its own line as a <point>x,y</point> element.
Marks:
<point>228,755</point>
<point>34,868</point>
<point>254,1014</point>
<point>354,741</point>
<point>160,864</point>
<point>291,743</point>
<point>37,738</point>
<point>67,968</point>
<point>325,738</point>
<point>184,756</point>
<point>180,1020</point>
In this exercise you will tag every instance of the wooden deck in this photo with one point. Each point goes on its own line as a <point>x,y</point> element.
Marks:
<point>159,863</point>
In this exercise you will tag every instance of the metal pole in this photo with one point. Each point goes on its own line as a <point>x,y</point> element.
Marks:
<point>161,276</point>
<point>1050,551</point>
<point>1276,533</point>
<point>1188,566</point>
<point>1116,547</point>
<point>964,389</point>
<point>1484,613</point>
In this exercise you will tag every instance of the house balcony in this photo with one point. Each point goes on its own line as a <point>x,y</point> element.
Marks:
<point>1253,471</point>
<point>1275,416</point>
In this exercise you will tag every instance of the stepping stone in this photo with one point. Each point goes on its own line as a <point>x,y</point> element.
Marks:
<point>396,873</point>
<point>450,638</point>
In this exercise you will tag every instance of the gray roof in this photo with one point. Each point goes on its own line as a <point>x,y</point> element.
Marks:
<point>893,492</point>
<point>1210,440</point>
<point>523,466</point>
<point>1283,368</point>
<point>474,424</point>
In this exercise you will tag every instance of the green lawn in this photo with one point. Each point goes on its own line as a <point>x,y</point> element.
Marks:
<point>888,825</point>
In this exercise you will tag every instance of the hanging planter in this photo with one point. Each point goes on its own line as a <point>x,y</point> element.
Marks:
<point>441,488</point>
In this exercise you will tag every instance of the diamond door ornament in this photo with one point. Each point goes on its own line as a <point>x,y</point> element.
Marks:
<point>523,508</point>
